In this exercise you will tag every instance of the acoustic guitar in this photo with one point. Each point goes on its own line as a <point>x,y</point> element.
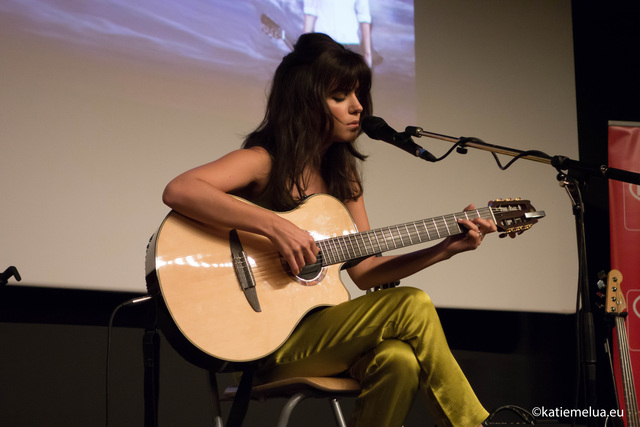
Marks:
<point>616,306</point>
<point>233,297</point>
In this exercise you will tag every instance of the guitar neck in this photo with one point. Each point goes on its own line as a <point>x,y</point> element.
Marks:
<point>628,385</point>
<point>354,246</point>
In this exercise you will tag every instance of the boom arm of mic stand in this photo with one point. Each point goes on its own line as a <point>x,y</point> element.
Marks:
<point>474,143</point>
<point>559,162</point>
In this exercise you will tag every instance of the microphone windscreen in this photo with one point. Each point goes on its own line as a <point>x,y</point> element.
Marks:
<point>373,126</point>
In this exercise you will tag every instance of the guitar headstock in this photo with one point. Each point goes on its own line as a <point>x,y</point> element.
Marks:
<point>275,31</point>
<point>514,215</point>
<point>615,303</point>
<point>270,28</point>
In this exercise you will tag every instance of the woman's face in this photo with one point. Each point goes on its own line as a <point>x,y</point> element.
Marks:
<point>345,109</point>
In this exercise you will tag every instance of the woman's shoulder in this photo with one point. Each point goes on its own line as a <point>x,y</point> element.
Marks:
<point>255,158</point>
<point>260,153</point>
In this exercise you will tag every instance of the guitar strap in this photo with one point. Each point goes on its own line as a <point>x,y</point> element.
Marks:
<point>242,398</point>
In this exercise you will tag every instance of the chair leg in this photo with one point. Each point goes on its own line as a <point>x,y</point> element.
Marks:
<point>288,408</point>
<point>337,412</point>
<point>215,400</point>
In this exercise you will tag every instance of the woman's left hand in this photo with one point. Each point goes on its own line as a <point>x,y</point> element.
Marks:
<point>477,228</point>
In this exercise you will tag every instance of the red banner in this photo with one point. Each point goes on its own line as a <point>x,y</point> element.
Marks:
<point>624,209</point>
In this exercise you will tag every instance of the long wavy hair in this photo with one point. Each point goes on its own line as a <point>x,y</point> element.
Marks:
<point>298,123</point>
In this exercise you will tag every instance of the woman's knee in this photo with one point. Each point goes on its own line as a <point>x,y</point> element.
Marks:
<point>397,358</point>
<point>416,299</point>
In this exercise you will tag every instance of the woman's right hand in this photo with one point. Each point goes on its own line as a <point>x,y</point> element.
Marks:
<point>295,245</point>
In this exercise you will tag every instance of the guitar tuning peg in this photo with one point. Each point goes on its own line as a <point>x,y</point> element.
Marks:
<point>601,285</point>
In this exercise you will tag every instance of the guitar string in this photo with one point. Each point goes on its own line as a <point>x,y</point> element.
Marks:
<point>343,248</point>
<point>627,373</point>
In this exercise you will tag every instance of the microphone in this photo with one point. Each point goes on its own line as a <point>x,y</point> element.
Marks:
<point>377,128</point>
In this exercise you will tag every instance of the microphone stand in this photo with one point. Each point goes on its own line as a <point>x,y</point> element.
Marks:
<point>559,162</point>
<point>572,180</point>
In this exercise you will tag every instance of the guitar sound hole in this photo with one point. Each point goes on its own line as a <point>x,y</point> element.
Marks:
<point>310,271</point>
<point>311,274</point>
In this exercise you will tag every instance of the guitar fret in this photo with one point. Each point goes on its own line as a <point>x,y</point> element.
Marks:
<point>393,239</point>
<point>366,251</point>
<point>436,226</point>
<point>346,253</point>
<point>354,239</point>
<point>348,246</point>
<point>385,238</point>
<point>341,246</point>
<point>424,224</point>
<point>326,254</point>
<point>455,222</point>
<point>378,244</point>
<point>327,250</point>
<point>399,236</point>
<point>408,234</point>
<point>446,226</point>
<point>377,241</point>
<point>335,247</point>
<point>417,232</point>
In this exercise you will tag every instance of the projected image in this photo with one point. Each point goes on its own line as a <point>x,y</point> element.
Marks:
<point>96,89</point>
<point>245,38</point>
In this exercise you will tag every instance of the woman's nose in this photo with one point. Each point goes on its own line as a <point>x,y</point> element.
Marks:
<point>356,107</point>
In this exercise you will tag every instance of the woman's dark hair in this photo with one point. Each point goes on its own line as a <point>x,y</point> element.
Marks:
<point>298,122</point>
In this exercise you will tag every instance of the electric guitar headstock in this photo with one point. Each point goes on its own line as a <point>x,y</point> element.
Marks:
<point>514,216</point>
<point>614,301</point>
<point>275,31</point>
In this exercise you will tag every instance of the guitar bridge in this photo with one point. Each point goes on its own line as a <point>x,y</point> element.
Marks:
<point>243,270</point>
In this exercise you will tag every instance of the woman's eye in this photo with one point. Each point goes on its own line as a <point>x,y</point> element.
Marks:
<point>338,98</point>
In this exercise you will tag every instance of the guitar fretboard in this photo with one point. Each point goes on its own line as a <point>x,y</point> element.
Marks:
<point>360,245</point>
<point>627,374</point>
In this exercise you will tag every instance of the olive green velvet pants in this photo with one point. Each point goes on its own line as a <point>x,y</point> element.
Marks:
<point>393,343</point>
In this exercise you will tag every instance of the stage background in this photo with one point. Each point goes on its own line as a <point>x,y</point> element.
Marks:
<point>104,103</point>
<point>52,362</point>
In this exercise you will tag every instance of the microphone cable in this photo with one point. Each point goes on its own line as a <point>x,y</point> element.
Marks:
<point>132,301</point>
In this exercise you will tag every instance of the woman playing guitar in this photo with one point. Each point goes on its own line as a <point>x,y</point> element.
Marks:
<point>391,340</point>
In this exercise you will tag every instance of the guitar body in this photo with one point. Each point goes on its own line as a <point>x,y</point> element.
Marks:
<point>227,294</point>
<point>191,268</point>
